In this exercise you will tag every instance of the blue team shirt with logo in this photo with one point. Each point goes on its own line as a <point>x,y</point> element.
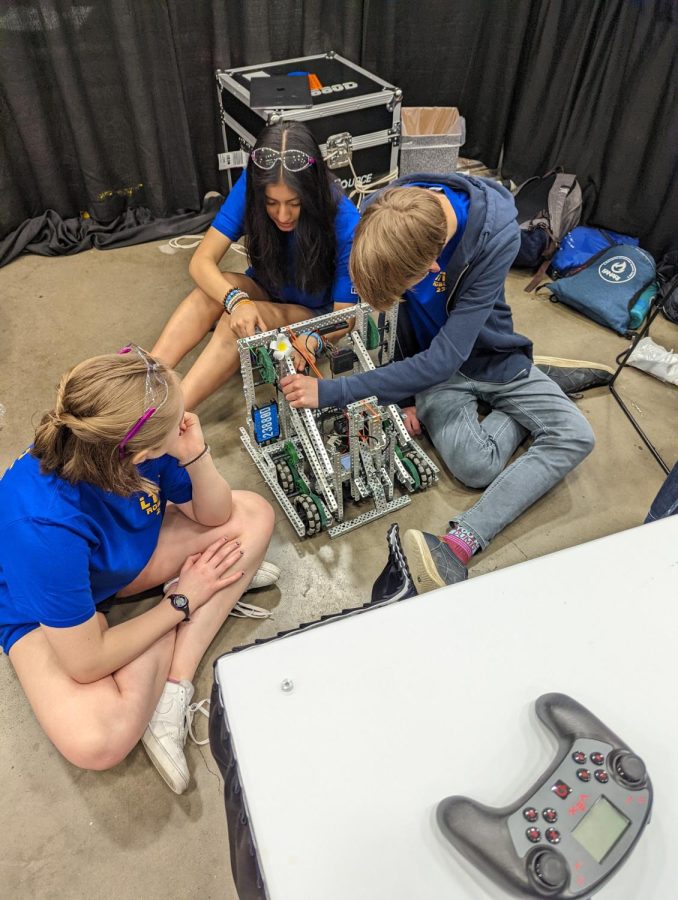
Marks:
<point>67,547</point>
<point>230,221</point>
<point>426,300</point>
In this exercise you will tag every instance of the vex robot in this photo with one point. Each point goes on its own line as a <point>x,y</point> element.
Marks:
<point>318,462</point>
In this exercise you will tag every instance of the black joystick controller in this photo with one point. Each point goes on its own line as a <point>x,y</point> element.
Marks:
<point>549,869</point>
<point>574,828</point>
<point>630,768</point>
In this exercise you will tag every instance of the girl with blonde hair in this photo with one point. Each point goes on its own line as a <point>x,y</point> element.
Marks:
<point>119,494</point>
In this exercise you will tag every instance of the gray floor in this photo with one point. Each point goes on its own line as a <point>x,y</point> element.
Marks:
<point>73,834</point>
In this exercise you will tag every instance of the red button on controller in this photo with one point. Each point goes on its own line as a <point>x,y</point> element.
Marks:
<point>530,813</point>
<point>552,835</point>
<point>562,790</point>
<point>533,834</point>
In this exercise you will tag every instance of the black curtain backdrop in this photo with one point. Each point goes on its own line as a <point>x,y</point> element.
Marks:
<point>109,128</point>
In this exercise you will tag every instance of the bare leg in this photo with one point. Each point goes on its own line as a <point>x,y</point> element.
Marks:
<point>220,359</point>
<point>252,524</point>
<point>96,725</point>
<point>193,318</point>
<point>93,725</point>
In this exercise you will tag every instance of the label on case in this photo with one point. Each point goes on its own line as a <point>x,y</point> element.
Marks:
<point>334,88</point>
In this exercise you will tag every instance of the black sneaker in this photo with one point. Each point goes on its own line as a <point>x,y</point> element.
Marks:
<point>431,561</point>
<point>395,581</point>
<point>574,375</point>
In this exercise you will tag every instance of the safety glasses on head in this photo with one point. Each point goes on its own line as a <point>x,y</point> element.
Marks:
<point>155,394</point>
<point>292,160</point>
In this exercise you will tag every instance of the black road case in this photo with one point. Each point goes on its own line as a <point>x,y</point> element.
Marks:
<point>355,117</point>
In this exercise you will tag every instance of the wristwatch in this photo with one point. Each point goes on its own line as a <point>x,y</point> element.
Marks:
<point>180,602</point>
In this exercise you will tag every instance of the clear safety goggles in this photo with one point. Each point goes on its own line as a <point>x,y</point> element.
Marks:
<point>292,160</point>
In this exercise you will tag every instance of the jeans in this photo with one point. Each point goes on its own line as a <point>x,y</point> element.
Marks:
<point>666,501</point>
<point>476,452</point>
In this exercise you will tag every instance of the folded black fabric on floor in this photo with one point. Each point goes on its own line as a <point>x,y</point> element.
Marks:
<point>50,235</point>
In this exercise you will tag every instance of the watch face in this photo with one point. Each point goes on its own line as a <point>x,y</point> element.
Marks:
<point>179,601</point>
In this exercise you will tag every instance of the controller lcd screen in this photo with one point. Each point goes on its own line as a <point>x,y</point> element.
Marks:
<point>600,829</point>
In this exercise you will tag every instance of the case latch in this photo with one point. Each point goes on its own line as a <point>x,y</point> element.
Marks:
<point>339,150</point>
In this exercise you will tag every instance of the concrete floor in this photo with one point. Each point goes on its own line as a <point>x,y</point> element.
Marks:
<point>123,834</point>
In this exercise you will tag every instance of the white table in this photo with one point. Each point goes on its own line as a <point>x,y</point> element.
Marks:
<point>396,708</point>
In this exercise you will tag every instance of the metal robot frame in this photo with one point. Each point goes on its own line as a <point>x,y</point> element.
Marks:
<point>366,451</point>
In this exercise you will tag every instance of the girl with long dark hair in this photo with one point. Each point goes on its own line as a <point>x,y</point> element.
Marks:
<point>300,231</point>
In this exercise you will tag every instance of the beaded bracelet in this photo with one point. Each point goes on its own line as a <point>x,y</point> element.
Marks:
<point>319,339</point>
<point>233,297</point>
<point>205,449</point>
<point>237,302</point>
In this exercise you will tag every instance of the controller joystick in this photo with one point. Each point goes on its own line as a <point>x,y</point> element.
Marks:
<point>630,769</point>
<point>595,822</point>
<point>549,869</point>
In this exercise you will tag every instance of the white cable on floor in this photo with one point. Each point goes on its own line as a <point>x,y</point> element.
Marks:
<point>189,242</point>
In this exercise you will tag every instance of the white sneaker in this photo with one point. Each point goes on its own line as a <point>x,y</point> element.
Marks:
<point>165,734</point>
<point>266,575</point>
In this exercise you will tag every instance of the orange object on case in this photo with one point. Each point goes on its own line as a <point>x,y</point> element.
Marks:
<point>314,82</point>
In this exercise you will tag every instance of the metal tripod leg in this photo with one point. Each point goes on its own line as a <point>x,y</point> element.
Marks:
<point>656,308</point>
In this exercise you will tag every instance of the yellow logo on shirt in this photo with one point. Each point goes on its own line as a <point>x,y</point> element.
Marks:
<point>440,282</point>
<point>150,504</point>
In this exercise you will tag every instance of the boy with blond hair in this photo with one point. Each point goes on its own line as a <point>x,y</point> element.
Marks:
<point>444,245</point>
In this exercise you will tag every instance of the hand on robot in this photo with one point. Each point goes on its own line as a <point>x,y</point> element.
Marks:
<point>311,345</point>
<point>245,319</point>
<point>301,391</point>
<point>411,422</point>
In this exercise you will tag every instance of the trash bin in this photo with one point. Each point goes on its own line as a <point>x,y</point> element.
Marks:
<point>430,139</point>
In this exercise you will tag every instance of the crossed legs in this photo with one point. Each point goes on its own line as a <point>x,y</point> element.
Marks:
<point>96,725</point>
<point>477,452</point>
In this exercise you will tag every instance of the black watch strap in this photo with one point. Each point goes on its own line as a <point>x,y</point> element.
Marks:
<point>180,603</point>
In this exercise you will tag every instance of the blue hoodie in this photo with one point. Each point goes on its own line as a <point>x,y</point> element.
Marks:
<point>477,339</point>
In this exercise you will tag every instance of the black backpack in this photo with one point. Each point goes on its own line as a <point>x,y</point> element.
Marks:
<point>667,276</point>
<point>548,207</point>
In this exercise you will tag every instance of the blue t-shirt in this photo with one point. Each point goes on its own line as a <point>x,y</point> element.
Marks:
<point>230,221</point>
<point>67,547</point>
<point>426,300</point>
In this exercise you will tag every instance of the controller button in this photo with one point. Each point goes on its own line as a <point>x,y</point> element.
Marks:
<point>597,759</point>
<point>579,757</point>
<point>550,815</point>
<point>583,775</point>
<point>602,776</point>
<point>550,869</point>
<point>630,768</point>
<point>530,813</point>
<point>533,834</point>
<point>562,790</point>
<point>553,835</point>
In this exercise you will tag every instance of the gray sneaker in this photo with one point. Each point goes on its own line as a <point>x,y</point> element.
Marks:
<point>431,561</point>
<point>574,375</point>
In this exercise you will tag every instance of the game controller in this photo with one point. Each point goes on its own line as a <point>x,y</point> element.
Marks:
<point>574,828</point>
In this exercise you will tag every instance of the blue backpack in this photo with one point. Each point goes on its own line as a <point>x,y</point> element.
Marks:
<point>580,244</point>
<point>608,286</point>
